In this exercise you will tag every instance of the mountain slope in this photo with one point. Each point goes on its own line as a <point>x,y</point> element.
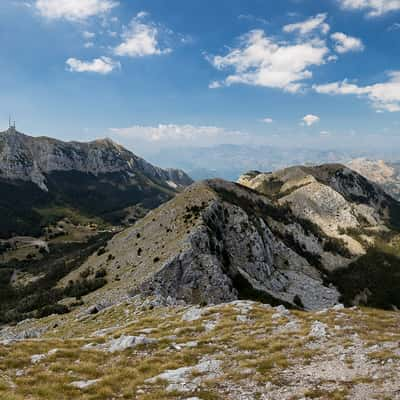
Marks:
<point>99,179</point>
<point>125,330</point>
<point>212,244</point>
<point>386,174</point>
<point>297,240</point>
<point>333,196</point>
<point>303,237</point>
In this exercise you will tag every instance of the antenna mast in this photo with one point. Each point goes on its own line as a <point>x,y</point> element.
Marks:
<point>11,125</point>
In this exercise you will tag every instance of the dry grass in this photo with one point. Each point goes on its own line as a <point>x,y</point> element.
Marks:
<point>254,353</point>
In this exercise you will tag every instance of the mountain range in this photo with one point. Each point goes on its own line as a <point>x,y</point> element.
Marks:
<point>229,161</point>
<point>307,237</point>
<point>294,237</point>
<point>135,282</point>
<point>386,174</point>
<point>40,175</point>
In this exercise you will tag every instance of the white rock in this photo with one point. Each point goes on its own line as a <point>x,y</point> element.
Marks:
<point>89,346</point>
<point>210,326</point>
<point>180,375</point>
<point>147,330</point>
<point>170,337</point>
<point>208,366</point>
<point>120,344</point>
<point>105,331</point>
<point>126,342</point>
<point>193,314</point>
<point>190,344</point>
<point>37,358</point>
<point>6,342</point>
<point>84,384</point>
<point>173,375</point>
<point>318,330</point>
<point>243,306</point>
<point>291,326</point>
<point>184,386</point>
<point>282,310</point>
<point>242,318</point>
<point>247,371</point>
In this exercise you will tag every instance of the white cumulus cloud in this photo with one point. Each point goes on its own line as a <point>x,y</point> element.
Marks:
<point>268,120</point>
<point>310,119</point>
<point>141,39</point>
<point>261,61</point>
<point>383,96</point>
<point>310,25</point>
<point>374,8</point>
<point>345,43</point>
<point>73,10</point>
<point>102,65</point>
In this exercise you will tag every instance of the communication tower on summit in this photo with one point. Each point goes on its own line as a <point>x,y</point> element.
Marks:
<point>11,125</point>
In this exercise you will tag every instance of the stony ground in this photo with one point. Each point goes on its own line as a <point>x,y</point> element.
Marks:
<point>142,349</point>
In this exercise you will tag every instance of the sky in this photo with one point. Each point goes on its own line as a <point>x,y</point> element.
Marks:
<point>155,74</point>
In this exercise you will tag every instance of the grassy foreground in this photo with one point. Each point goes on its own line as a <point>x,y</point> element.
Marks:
<point>261,353</point>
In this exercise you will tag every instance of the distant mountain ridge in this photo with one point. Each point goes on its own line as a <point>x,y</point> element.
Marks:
<point>31,158</point>
<point>386,174</point>
<point>99,178</point>
<point>230,161</point>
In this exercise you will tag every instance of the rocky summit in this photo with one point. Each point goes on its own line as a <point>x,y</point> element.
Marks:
<point>39,175</point>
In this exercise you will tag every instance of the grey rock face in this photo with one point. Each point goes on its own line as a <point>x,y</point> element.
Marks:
<point>218,242</point>
<point>31,158</point>
<point>233,254</point>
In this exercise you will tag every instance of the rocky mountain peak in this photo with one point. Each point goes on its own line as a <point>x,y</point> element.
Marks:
<point>28,158</point>
<point>40,175</point>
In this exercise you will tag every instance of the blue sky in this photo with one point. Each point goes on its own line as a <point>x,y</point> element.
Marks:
<point>154,74</point>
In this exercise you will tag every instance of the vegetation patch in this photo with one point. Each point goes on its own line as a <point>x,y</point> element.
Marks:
<point>377,274</point>
<point>39,297</point>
